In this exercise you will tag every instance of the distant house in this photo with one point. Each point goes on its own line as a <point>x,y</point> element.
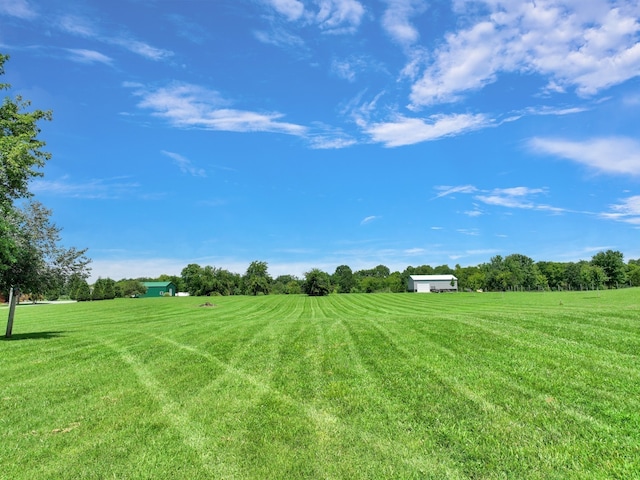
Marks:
<point>432,283</point>
<point>159,289</point>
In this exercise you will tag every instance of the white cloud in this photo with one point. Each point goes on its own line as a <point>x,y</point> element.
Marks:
<point>326,142</point>
<point>613,155</point>
<point>516,197</point>
<point>89,56</point>
<point>281,38</point>
<point>473,213</point>
<point>339,16</point>
<point>99,189</point>
<point>84,27</point>
<point>471,232</point>
<point>185,165</point>
<point>17,8</point>
<point>586,47</point>
<point>331,16</point>
<point>396,20</point>
<point>446,190</point>
<point>369,219</point>
<point>292,9</point>
<point>192,106</point>
<point>140,48</point>
<point>628,211</point>
<point>407,131</point>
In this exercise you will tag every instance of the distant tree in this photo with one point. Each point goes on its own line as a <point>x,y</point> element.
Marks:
<point>555,274</point>
<point>131,288</point>
<point>97,292</point>
<point>175,279</point>
<point>633,273</point>
<point>108,289</point>
<point>286,284</point>
<point>192,278</point>
<point>293,287</point>
<point>83,292</point>
<point>612,262</point>
<point>395,283</point>
<point>343,279</point>
<point>443,270</point>
<point>257,280</point>
<point>316,283</point>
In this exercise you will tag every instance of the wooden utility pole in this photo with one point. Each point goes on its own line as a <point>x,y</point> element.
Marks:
<point>14,295</point>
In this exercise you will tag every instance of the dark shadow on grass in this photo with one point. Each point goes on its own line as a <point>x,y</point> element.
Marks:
<point>33,336</point>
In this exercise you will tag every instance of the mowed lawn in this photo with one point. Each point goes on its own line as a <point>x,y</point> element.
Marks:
<point>516,385</point>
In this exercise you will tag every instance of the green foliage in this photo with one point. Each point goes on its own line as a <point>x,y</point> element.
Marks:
<point>30,251</point>
<point>287,285</point>
<point>40,264</point>
<point>83,291</point>
<point>612,264</point>
<point>343,279</point>
<point>209,280</point>
<point>21,153</point>
<point>131,288</point>
<point>103,289</point>
<point>256,279</point>
<point>97,292</point>
<point>492,386</point>
<point>316,283</point>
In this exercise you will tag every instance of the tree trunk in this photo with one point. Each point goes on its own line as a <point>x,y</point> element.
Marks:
<point>14,295</point>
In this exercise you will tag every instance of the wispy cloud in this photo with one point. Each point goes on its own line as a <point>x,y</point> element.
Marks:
<point>88,56</point>
<point>589,49</point>
<point>513,197</point>
<point>283,39</point>
<point>446,190</point>
<point>613,155</point>
<point>17,8</point>
<point>331,16</point>
<point>516,197</point>
<point>97,189</point>
<point>84,27</point>
<point>407,131</point>
<point>339,16</point>
<point>627,211</point>
<point>471,232</point>
<point>191,106</point>
<point>291,9</point>
<point>185,165</point>
<point>369,219</point>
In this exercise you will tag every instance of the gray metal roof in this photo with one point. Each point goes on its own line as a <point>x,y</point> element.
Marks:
<point>433,278</point>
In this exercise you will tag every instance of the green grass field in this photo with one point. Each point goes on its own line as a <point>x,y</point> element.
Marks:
<point>543,385</point>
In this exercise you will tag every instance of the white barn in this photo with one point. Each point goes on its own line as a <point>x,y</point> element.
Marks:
<point>432,283</point>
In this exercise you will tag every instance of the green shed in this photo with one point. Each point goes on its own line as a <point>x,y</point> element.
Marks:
<point>159,289</point>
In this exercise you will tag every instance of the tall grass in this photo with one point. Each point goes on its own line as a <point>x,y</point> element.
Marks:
<point>543,385</point>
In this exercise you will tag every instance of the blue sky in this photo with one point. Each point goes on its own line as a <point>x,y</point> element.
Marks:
<point>315,133</point>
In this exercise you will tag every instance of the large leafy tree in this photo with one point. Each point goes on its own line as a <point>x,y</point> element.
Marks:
<point>612,262</point>
<point>316,283</point>
<point>21,155</point>
<point>257,280</point>
<point>41,265</point>
<point>30,251</point>
<point>343,279</point>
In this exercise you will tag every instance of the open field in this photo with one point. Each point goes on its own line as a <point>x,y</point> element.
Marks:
<point>540,385</point>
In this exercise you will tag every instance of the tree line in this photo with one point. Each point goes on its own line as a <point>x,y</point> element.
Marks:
<point>515,272</point>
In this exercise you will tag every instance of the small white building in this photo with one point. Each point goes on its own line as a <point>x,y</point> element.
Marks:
<point>432,283</point>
